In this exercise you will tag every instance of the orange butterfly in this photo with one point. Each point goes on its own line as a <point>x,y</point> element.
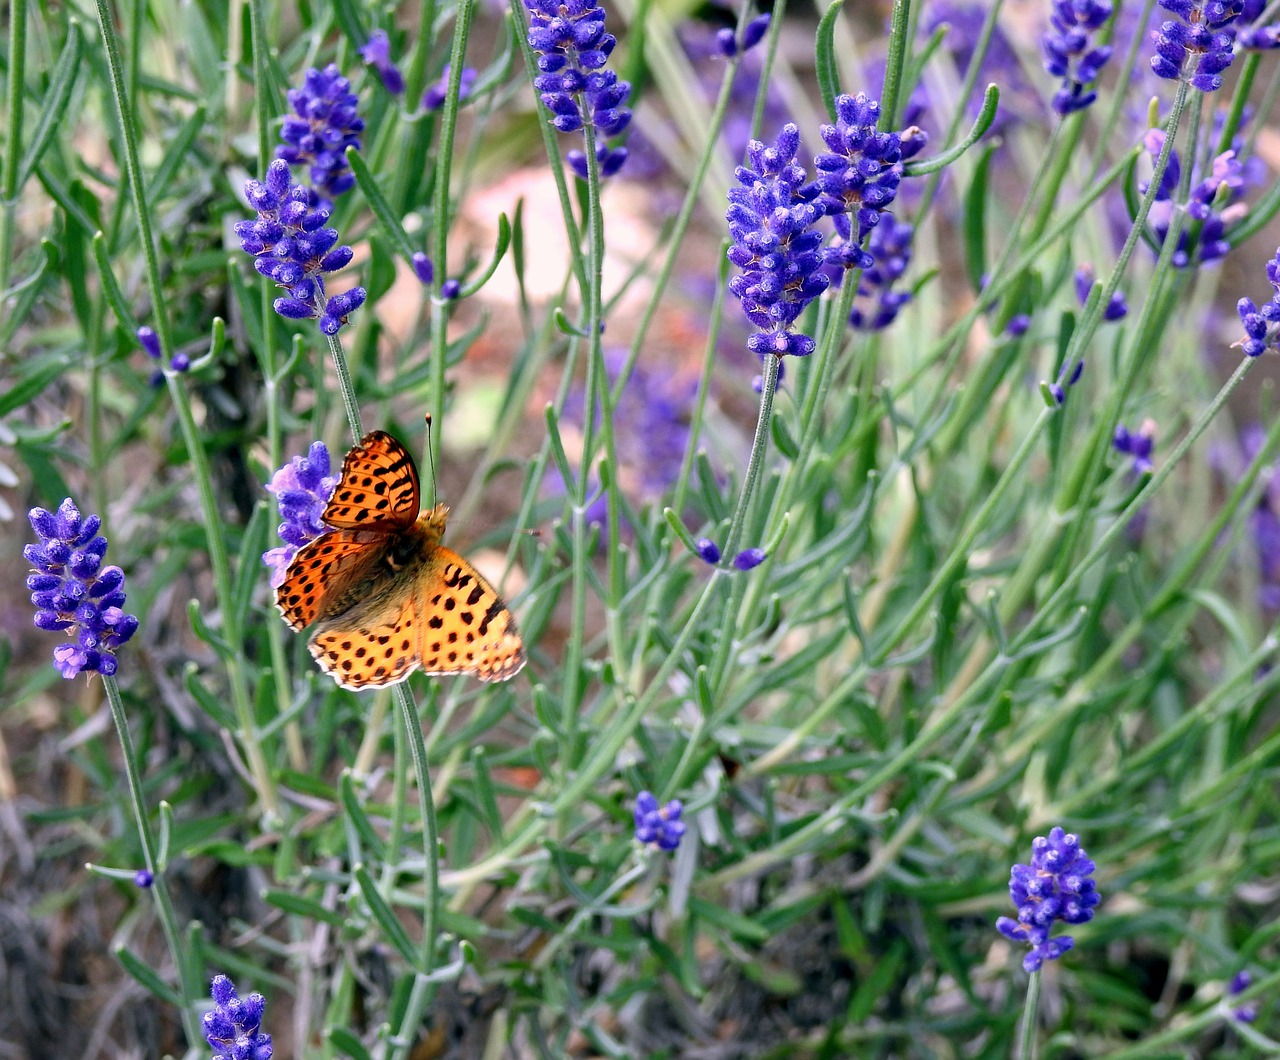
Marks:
<point>387,596</point>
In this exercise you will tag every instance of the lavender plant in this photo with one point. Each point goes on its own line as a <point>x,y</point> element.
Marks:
<point>805,658</point>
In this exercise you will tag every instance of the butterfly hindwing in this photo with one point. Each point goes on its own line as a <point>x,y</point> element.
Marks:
<point>467,629</point>
<point>379,487</point>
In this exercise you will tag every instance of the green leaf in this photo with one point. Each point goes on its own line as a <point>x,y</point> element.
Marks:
<point>147,977</point>
<point>735,924</point>
<point>975,220</point>
<point>500,248</point>
<point>304,907</point>
<point>386,918</point>
<point>378,203</point>
<point>825,59</point>
<point>40,372</point>
<point>53,112</point>
<point>343,1039</point>
<point>110,288</point>
<point>357,818</point>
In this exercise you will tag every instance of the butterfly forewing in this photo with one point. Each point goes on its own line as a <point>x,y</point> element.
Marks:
<point>378,489</point>
<point>324,571</point>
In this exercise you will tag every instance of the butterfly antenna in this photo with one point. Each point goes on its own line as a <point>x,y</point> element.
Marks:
<point>431,460</point>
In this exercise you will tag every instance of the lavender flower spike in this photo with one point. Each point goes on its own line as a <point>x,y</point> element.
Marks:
<point>74,594</point>
<point>324,124</point>
<point>1057,885</point>
<point>572,48</point>
<point>658,826</point>
<point>232,1028</point>
<point>771,219</point>
<point>302,488</point>
<point>291,246</point>
<point>1198,48</point>
<point>1261,330</point>
<point>377,53</point>
<point>859,175</point>
<point>1069,52</point>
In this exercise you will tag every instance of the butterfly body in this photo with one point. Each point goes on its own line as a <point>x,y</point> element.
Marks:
<point>385,596</point>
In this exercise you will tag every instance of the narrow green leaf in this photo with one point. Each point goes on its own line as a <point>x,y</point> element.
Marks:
<point>825,59</point>
<point>41,372</point>
<point>304,907</point>
<point>53,112</point>
<point>110,288</point>
<point>500,248</point>
<point>147,977</point>
<point>734,923</point>
<point>358,818</point>
<point>381,208</point>
<point>975,220</point>
<point>386,918</point>
<point>343,1039</point>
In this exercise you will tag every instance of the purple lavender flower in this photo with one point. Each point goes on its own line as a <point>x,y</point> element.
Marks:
<point>302,489</point>
<point>1068,376</point>
<point>324,124</point>
<point>574,86</point>
<point>749,558</point>
<point>1117,307</point>
<point>658,826</point>
<point>1257,37</point>
<point>74,594</point>
<point>1209,210</point>
<point>423,269</point>
<point>291,245</point>
<point>610,160</point>
<point>730,45</point>
<point>708,551</point>
<point>232,1028</point>
<point>433,98</point>
<point>377,53</point>
<point>143,878</point>
<point>1241,982</point>
<point>1019,324</point>
<point>877,304</point>
<point>1262,326</point>
<point>859,176</point>
<point>1057,885</point>
<point>450,289</point>
<point>1198,48</point>
<point>150,343</point>
<point>1138,445</point>
<point>1069,52</point>
<point>772,218</point>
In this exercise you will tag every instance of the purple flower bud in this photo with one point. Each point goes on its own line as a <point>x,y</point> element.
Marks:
<point>143,878</point>
<point>423,269</point>
<point>149,341</point>
<point>749,558</point>
<point>708,551</point>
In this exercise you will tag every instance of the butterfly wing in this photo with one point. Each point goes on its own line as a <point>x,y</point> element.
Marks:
<point>466,627</point>
<point>375,642</point>
<point>378,490</point>
<point>328,572</point>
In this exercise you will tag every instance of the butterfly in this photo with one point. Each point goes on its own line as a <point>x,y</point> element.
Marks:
<point>386,597</point>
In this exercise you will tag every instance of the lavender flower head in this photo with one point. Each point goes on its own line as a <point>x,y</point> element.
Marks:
<point>377,53</point>
<point>859,175</point>
<point>772,218</point>
<point>302,489</point>
<point>74,594</point>
<point>1211,209</point>
<point>232,1028</point>
<point>1138,445</point>
<point>1117,307</point>
<point>878,304</point>
<point>323,125</point>
<point>1254,35</point>
<point>433,98</point>
<point>1198,48</point>
<point>1240,982</point>
<point>1069,52</point>
<point>658,826</point>
<point>1057,885</point>
<point>572,48</point>
<point>1262,326</point>
<point>291,245</point>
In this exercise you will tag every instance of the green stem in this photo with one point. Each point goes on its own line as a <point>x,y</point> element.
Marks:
<point>1027,1030</point>
<point>159,887</point>
<point>13,140</point>
<point>346,388</point>
<point>422,993</point>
